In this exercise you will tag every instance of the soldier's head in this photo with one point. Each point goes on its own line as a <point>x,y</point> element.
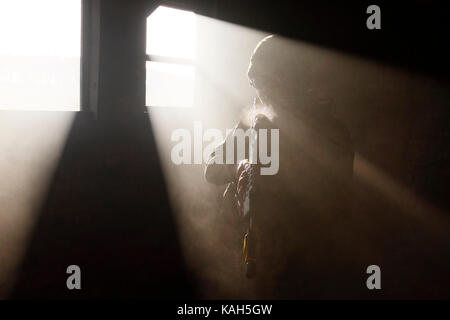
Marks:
<point>286,74</point>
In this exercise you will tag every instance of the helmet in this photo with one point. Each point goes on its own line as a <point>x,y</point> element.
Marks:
<point>285,71</point>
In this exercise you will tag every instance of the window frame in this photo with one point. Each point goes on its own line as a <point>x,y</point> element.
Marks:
<point>169,59</point>
<point>90,56</point>
<point>89,61</point>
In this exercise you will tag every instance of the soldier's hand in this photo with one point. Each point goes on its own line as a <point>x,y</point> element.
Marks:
<point>242,173</point>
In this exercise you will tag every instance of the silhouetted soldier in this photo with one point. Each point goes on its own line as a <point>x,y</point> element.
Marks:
<point>300,212</point>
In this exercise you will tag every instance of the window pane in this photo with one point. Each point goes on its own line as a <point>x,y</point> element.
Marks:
<point>169,85</point>
<point>171,32</point>
<point>40,54</point>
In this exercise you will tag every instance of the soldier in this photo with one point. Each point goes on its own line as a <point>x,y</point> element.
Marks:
<point>300,205</point>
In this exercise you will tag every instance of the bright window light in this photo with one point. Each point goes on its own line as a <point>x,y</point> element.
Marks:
<point>40,50</point>
<point>170,85</point>
<point>171,32</point>
<point>171,45</point>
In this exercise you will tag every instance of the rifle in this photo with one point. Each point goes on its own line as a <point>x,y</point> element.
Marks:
<point>250,241</point>
<point>231,196</point>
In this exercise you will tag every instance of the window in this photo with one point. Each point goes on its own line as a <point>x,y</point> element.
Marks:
<point>171,56</point>
<point>40,53</point>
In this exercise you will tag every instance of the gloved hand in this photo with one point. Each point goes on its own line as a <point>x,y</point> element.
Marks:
<point>242,174</point>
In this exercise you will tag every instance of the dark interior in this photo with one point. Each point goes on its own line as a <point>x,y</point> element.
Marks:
<point>107,206</point>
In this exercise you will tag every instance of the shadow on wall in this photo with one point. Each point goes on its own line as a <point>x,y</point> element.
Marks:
<point>106,211</point>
